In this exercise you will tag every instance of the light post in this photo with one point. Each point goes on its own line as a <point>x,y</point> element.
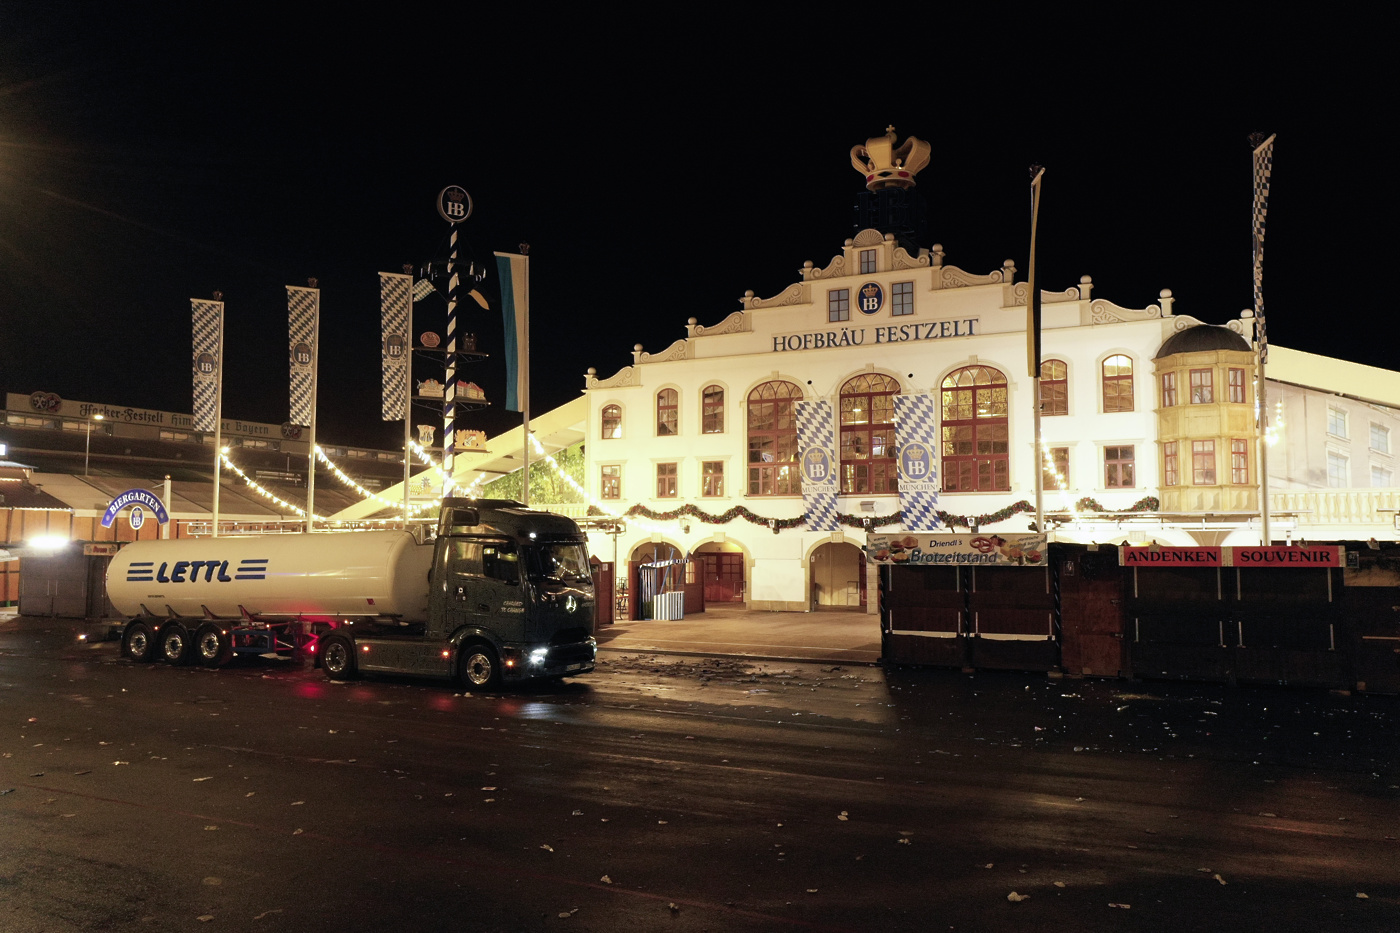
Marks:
<point>87,442</point>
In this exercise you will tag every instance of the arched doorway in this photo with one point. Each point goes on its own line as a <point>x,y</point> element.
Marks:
<point>722,570</point>
<point>837,576</point>
<point>667,571</point>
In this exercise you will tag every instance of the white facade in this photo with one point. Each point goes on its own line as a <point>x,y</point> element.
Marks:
<point>646,456</point>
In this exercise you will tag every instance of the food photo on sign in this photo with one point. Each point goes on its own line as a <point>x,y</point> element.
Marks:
<point>1014,550</point>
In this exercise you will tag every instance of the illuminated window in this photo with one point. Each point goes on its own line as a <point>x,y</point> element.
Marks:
<point>712,410</point>
<point>1118,467</point>
<point>772,440</point>
<point>1239,461</point>
<point>666,480</point>
<point>1171,465</point>
<point>1237,391</point>
<point>1118,383</point>
<point>902,298</point>
<point>610,486</point>
<point>1202,387</point>
<point>974,430</point>
<point>1168,390</point>
<point>1203,463</point>
<point>667,413</point>
<point>1054,388</point>
<point>868,454</point>
<point>712,478</point>
<point>612,421</point>
<point>1056,473</point>
<point>838,305</point>
<point>867,260</point>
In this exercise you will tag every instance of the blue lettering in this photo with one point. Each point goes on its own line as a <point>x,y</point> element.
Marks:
<point>194,570</point>
<point>223,573</point>
<point>160,574</point>
<point>177,575</point>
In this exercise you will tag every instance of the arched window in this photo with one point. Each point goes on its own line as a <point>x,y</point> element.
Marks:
<point>612,421</point>
<point>712,410</point>
<point>1054,388</point>
<point>772,421</point>
<point>1118,383</point>
<point>868,453</point>
<point>975,430</point>
<point>667,413</point>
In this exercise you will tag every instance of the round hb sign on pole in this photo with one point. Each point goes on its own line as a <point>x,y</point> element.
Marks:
<point>137,517</point>
<point>454,205</point>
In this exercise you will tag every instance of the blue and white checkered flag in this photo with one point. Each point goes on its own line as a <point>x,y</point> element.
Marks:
<point>303,318</point>
<point>1263,168</point>
<point>395,294</point>
<point>208,320</point>
<point>816,446</point>
<point>917,430</point>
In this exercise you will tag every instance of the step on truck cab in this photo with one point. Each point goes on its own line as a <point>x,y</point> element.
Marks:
<point>510,598</point>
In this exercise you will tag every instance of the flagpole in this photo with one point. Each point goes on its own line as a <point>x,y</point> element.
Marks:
<point>449,388</point>
<point>524,353</point>
<point>407,405</point>
<point>1033,349</point>
<point>1263,167</point>
<point>311,457</point>
<point>218,413</point>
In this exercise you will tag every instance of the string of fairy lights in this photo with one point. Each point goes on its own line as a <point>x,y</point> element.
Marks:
<point>473,488</point>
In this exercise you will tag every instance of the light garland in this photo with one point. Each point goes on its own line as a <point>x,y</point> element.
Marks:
<point>1061,481</point>
<point>348,481</point>
<point>594,503</point>
<point>223,455</point>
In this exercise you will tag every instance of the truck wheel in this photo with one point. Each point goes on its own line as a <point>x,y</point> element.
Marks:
<point>175,644</point>
<point>211,645</point>
<point>137,642</point>
<point>337,657</point>
<point>478,669</point>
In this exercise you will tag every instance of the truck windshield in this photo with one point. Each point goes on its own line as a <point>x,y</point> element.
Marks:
<point>565,563</point>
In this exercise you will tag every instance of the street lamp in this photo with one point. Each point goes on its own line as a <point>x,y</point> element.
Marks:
<point>87,442</point>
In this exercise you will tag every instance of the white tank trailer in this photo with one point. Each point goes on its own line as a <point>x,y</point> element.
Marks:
<point>502,593</point>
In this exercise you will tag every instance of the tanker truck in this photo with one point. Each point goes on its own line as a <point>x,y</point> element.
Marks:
<point>502,593</point>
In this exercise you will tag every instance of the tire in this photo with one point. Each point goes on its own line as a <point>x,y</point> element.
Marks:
<point>176,646</point>
<point>337,655</point>
<point>211,646</point>
<point>138,643</point>
<point>478,668</point>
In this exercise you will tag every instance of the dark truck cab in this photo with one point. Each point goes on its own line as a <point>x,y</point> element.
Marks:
<point>510,598</point>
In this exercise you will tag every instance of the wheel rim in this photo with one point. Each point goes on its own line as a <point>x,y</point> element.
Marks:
<point>174,646</point>
<point>335,658</point>
<point>138,644</point>
<point>210,647</point>
<point>479,669</point>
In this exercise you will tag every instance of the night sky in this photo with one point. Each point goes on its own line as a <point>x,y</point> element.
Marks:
<point>154,154</point>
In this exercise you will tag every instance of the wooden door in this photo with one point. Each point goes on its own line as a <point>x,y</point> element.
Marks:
<point>724,577</point>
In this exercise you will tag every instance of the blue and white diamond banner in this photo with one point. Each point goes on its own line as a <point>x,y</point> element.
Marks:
<point>303,318</point>
<point>916,427</point>
<point>395,300</point>
<point>208,319</point>
<point>816,447</point>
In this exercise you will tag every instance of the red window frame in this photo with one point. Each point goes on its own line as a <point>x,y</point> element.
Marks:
<point>975,439</point>
<point>771,417</point>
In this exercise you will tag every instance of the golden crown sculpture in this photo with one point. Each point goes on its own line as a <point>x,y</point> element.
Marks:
<point>884,166</point>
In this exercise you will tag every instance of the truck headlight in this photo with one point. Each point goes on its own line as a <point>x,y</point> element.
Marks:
<point>537,657</point>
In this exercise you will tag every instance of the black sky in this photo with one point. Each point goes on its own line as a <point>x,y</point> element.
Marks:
<point>156,153</point>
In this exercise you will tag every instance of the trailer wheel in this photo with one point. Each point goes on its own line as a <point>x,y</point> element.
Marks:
<point>175,644</point>
<point>211,645</point>
<point>337,657</point>
<point>477,668</point>
<point>137,642</point>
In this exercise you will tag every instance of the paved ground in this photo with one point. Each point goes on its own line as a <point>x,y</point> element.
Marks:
<point>822,637</point>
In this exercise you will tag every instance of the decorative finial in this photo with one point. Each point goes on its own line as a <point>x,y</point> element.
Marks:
<point>884,166</point>
<point>524,249</point>
<point>311,283</point>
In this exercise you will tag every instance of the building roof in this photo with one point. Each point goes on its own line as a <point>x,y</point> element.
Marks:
<point>1202,337</point>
